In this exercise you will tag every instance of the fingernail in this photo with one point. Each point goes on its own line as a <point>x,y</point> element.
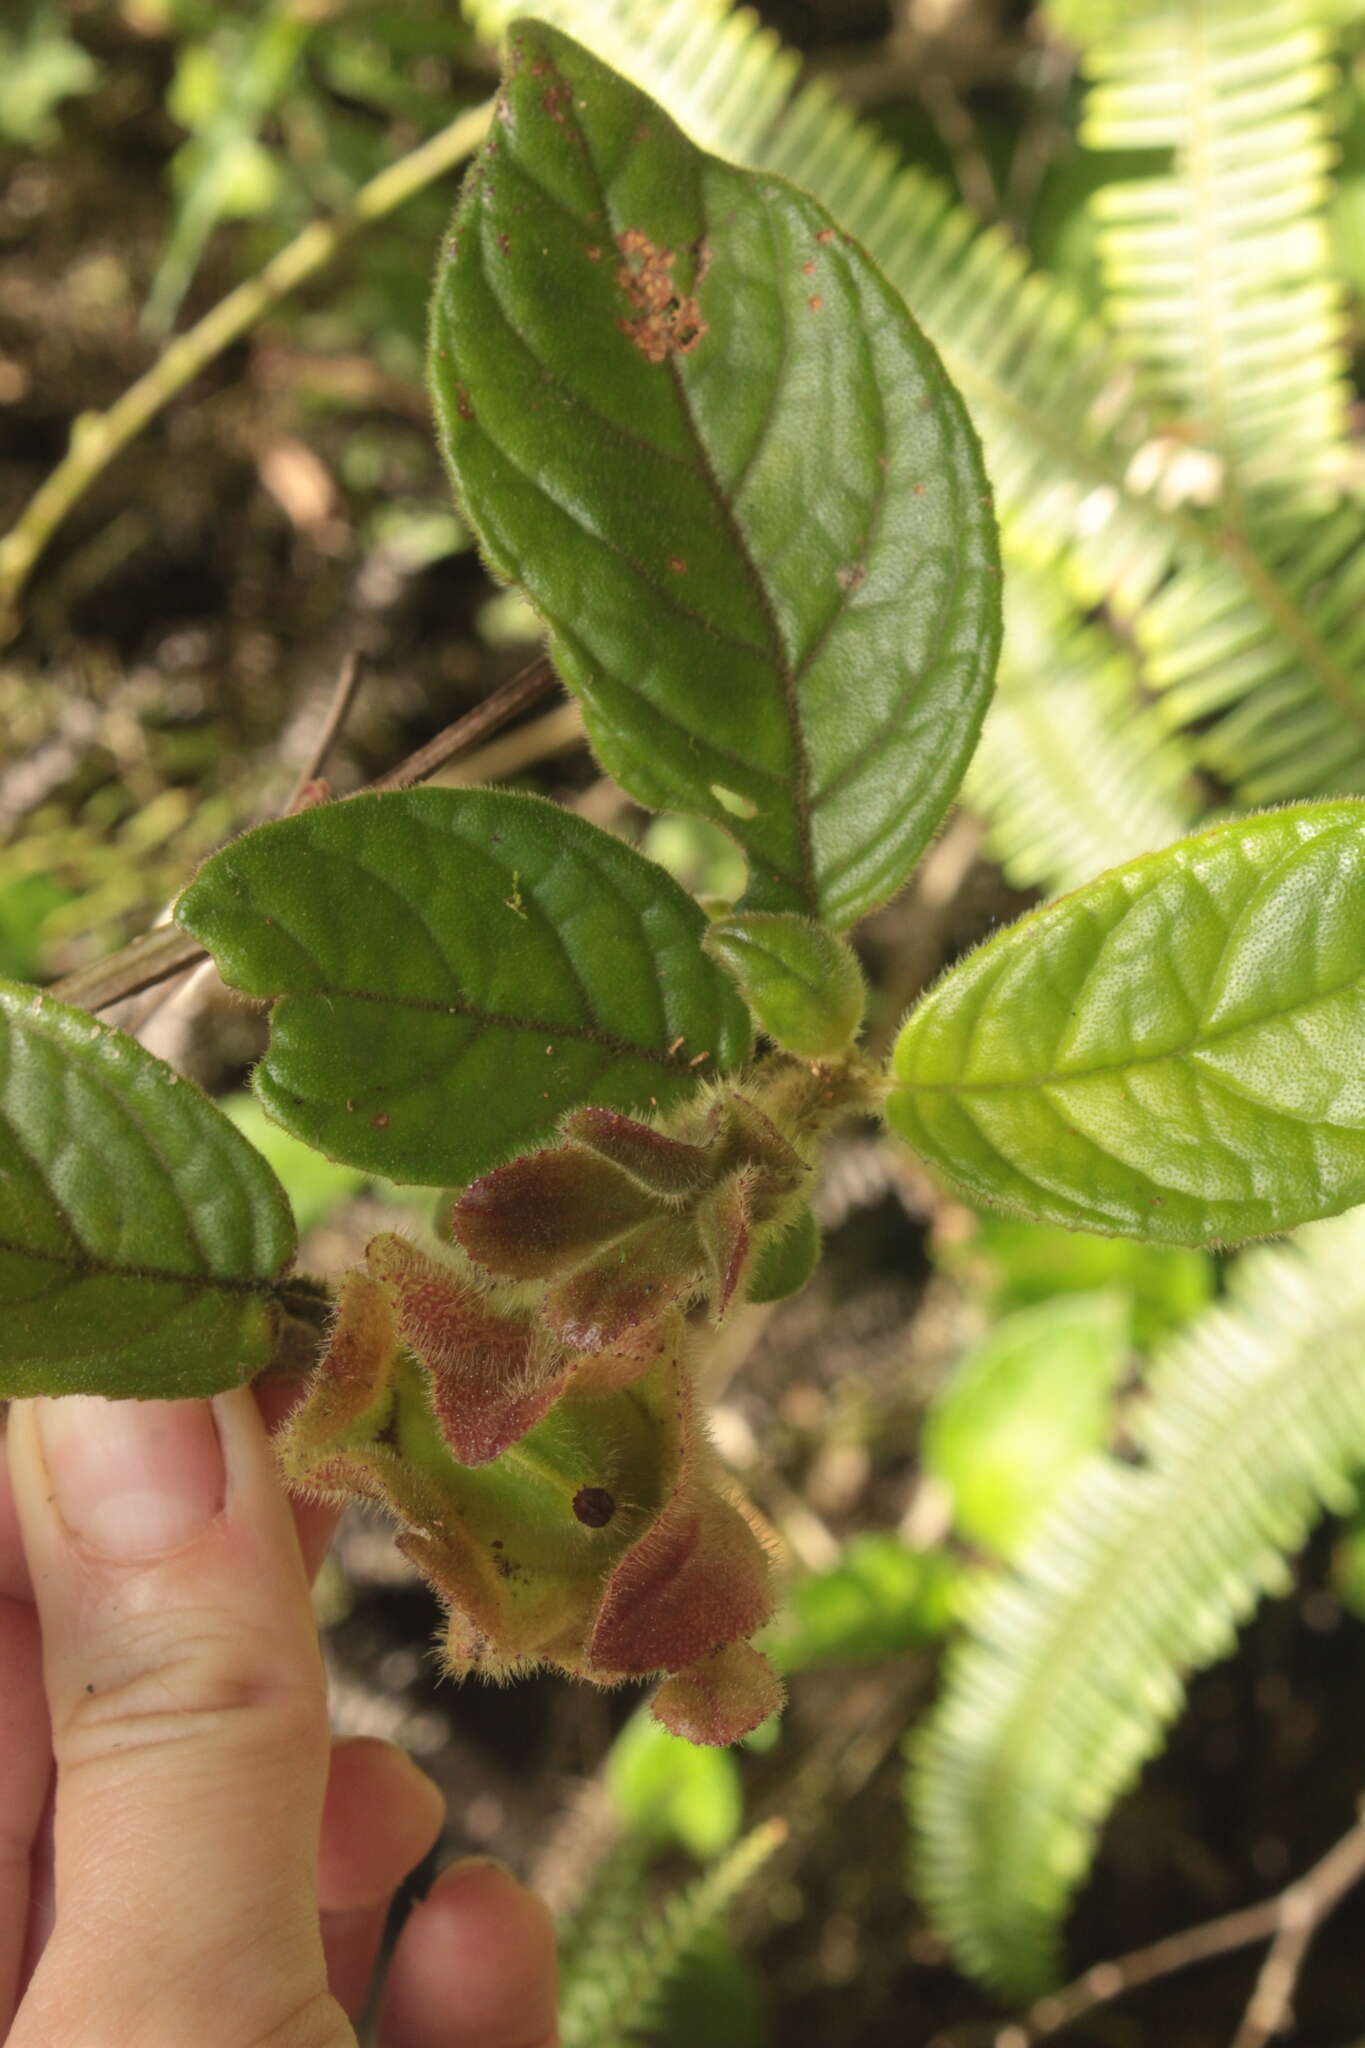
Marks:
<point>475,1866</point>
<point>132,1480</point>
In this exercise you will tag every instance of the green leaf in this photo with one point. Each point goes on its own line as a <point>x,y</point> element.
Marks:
<point>689,415</point>
<point>40,66</point>
<point>1173,1052</point>
<point>140,1236</point>
<point>453,970</point>
<point>785,1263</point>
<point>880,1600</point>
<point>1016,1264</point>
<point>668,1790</point>
<point>1023,1410</point>
<point>804,985</point>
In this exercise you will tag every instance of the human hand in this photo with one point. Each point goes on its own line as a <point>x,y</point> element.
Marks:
<point>212,1872</point>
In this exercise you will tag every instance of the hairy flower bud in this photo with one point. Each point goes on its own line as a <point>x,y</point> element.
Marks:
<point>598,1542</point>
<point>622,1220</point>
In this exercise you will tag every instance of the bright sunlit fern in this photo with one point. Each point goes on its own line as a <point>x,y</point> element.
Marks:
<point>1218,269</point>
<point>1264,636</point>
<point>1074,1663</point>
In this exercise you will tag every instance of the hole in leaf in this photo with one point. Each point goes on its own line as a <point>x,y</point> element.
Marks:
<point>738,806</point>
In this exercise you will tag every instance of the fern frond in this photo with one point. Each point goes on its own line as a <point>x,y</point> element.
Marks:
<point>616,1973</point>
<point>1219,273</point>
<point>1075,1663</point>
<point>1229,648</point>
<point>1073,773</point>
<point>1088,490</point>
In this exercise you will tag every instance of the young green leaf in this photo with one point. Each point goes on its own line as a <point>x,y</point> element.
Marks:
<point>666,1790</point>
<point>1023,1410</point>
<point>689,415</point>
<point>141,1237</point>
<point>803,984</point>
<point>1013,1264</point>
<point>453,969</point>
<point>1173,1052</point>
<point>880,1600</point>
<point>785,1263</point>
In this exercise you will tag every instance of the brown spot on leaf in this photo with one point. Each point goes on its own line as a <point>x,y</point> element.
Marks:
<point>664,321</point>
<point>701,250</point>
<point>557,100</point>
<point>594,253</point>
<point>504,240</point>
<point>824,235</point>
<point>851,575</point>
<point>677,565</point>
<point>462,405</point>
<point>815,303</point>
<point>381,1121</point>
<point>808,268</point>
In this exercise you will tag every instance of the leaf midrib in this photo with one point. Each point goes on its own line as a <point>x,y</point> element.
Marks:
<point>588,1034</point>
<point>1189,1050</point>
<point>783,667</point>
<point>85,1263</point>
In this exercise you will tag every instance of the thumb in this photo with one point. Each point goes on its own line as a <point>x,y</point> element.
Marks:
<point>189,1726</point>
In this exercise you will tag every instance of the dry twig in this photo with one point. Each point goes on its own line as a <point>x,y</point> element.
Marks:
<point>1288,1922</point>
<point>338,711</point>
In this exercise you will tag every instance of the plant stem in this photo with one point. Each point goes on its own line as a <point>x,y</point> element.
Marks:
<point>96,438</point>
<point>338,709</point>
<point>526,687</point>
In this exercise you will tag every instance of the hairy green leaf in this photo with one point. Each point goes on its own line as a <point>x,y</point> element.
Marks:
<point>140,1236</point>
<point>785,1263</point>
<point>1173,1052</point>
<point>453,969</point>
<point>1256,636</point>
<point>690,416</point>
<point>803,984</point>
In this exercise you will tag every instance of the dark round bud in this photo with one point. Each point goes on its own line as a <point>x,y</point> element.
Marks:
<point>594,1505</point>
